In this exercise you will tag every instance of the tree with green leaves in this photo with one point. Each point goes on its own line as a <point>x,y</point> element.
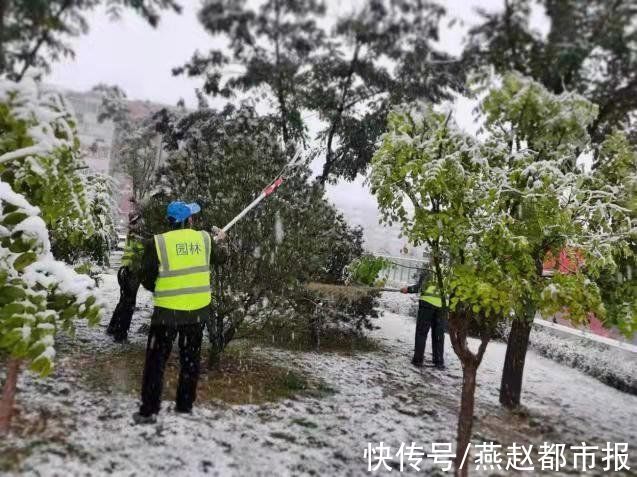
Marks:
<point>222,160</point>
<point>589,49</point>
<point>100,190</point>
<point>554,127</point>
<point>491,210</point>
<point>380,55</point>
<point>33,33</point>
<point>428,177</point>
<point>616,174</point>
<point>39,295</point>
<point>281,50</point>
<point>269,47</point>
<point>40,159</point>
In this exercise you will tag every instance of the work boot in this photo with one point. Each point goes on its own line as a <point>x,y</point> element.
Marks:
<point>440,366</point>
<point>418,364</point>
<point>141,419</point>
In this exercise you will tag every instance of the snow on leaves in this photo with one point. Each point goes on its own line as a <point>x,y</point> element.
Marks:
<point>38,294</point>
<point>495,207</point>
<point>39,153</point>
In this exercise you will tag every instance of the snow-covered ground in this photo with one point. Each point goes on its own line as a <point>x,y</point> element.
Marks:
<point>612,365</point>
<point>378,397</point>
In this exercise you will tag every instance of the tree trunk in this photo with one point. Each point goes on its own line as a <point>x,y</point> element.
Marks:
<point>512,373</point>
<point>214,354</point>
<point>465,418</point>
<point>215,335</point>
<point>329,156</point>
<point>8,395</point>
<point>315,329</point>
<point>458,328</point>
<point>215,323</point>
<point>279,84</point>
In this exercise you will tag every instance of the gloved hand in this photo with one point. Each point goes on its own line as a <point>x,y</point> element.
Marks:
<point>219,235</point>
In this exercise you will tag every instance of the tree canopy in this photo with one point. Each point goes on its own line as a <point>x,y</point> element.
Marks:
<point>590,49</point>
<point>347,71</point>
<point>34,33</point>
<point>269,45</point>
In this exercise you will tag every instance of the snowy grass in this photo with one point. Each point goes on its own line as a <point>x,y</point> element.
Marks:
<point>333,340</point>
<point>243,377</point>
<point>376,396</point>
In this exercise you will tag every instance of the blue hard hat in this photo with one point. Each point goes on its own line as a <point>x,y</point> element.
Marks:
<point>180,211</point>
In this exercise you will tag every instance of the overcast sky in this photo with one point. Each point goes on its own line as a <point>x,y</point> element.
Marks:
<point>138,58</point>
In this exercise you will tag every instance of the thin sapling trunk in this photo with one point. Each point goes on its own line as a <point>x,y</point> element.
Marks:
<point>458,329</point>
<point>8,394</point>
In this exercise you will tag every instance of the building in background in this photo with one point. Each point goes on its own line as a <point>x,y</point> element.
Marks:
<point>98,140</point>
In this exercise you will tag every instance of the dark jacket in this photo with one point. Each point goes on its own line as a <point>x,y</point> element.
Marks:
<point>424,280</point>
<point>149,274</point>
<point>417,287</point>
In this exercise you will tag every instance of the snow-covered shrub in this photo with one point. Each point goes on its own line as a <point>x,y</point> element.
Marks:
<point>41,193</point>
<point>345,308</point>
<point>38,295</point>
<point>40,159</point>
<point>603,362</point>
<point>102,209</point>
<point>40,151</point>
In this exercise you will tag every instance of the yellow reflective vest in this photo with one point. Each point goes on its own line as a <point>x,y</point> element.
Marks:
<point>431,295</point>
<point>183,282</point>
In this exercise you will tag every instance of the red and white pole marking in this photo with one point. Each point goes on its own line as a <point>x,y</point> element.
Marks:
<point>266,192</point>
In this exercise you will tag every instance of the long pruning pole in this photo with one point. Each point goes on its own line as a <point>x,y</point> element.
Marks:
<point>274,185</point>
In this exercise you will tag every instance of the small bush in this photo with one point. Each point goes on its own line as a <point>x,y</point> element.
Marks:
<point>364,270</point>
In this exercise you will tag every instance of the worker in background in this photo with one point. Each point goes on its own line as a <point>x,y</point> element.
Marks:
<point>430,316</point>
<point>128,278</point>
<point>176,268</point>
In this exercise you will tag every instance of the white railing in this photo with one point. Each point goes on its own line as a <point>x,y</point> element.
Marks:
<point>402,270</point>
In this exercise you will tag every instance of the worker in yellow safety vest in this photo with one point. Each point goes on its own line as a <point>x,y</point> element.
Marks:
<point>176,268</point>
<point>430,315</point>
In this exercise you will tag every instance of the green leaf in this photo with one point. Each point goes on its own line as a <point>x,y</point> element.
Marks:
<point>24,260</point>
<point>13,218</point>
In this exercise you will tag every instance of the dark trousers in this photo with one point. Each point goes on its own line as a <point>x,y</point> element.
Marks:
<point>160,342</point>
<point>123,314</point>
<point>430,317</point>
